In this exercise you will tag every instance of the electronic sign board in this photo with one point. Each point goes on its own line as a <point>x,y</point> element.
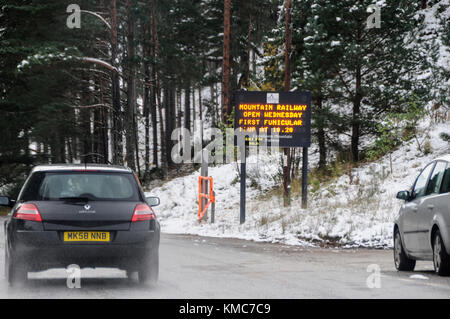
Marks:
<point>260,114</point>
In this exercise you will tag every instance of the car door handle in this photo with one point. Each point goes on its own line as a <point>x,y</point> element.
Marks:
<point>414,209</point>
<point>430,206</point>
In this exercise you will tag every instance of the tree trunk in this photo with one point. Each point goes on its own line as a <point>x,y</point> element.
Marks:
<point>151,82</point>
<point>85,124</point>
<point>154,119</point>
<point>356,108</point>
<point>62,148</point>
<point>187,107</point>
<point>355,117</point>
<point>103,123</point>
<point>117,112</point>
<point>45,151</point>
<point>213,108</point>
<point>287,88</point>
<point>246,81</point>
<point>216,101</point>
<point>253,62</point>
<point>131,92</point>
<point>96,136</point>
<point>179,109</point>
<point>226,63</point>
<point>158,88</point>
<point>200,113</point>
<point>161,131</point>
<point>146,108</point>
<point>69,150</point>
<point>136,147</point>
<point>321,135</point>
<point>194,114</point>
<point>169,105</point>
<point>288,44</point>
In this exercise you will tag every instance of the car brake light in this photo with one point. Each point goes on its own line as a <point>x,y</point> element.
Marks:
<point>28,212</point>
<point>142,212</point>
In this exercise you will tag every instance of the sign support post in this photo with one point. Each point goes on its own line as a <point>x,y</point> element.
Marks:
<point>305,178</point>
<point>243,180</point>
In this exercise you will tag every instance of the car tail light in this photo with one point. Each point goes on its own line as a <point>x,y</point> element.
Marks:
<point>142,212</point>
<point>28,212</point>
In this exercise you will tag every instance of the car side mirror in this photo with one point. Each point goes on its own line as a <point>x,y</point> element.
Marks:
<point>404,195</point>
<point>152,201</point>
<point>6,201</point>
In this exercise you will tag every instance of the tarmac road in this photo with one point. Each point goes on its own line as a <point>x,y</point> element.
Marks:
<point>199,267</point>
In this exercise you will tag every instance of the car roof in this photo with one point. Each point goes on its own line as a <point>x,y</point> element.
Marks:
<point>66,167</point>
<point>444,158</point>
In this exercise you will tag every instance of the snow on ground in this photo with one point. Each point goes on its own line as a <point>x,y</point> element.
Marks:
<point>354,210</point>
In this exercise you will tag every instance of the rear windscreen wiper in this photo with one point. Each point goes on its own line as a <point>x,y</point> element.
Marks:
<point>74,199</point>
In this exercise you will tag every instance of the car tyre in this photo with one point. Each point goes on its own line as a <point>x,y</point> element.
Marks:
<point>401,260</point>
<point>148,273</point>
<point>441,259</point>
<point>15,274</point>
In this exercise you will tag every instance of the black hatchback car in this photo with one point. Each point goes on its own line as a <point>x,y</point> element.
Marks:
<point>89,215</point>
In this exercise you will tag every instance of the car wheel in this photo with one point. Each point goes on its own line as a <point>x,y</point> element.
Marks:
<point>15,274</point>
<point>401,260</point>
<point>149,271</point>
<point>441,259</point>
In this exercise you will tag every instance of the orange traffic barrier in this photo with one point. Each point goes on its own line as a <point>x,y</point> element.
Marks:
<point>210,196</point>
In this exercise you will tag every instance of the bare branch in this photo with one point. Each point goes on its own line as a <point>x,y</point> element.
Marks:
<point>98,16</point>
<point>90,106</point>
<point>100,62</point>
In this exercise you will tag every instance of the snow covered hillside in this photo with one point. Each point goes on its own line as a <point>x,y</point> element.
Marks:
<point>356,209</point>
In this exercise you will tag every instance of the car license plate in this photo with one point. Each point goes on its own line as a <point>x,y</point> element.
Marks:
<point>86,236</point>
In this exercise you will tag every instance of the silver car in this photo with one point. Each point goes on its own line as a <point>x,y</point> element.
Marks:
<point>422,229</point>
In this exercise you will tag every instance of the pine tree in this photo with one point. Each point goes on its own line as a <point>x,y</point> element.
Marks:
<point>373,70</point>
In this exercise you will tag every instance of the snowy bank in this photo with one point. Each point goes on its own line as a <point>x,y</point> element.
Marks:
<point>354,210</point>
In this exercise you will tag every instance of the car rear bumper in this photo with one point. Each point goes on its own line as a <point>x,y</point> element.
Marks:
<point>46,249</point>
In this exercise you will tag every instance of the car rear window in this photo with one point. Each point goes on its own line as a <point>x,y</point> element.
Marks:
<point>44,186</point>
